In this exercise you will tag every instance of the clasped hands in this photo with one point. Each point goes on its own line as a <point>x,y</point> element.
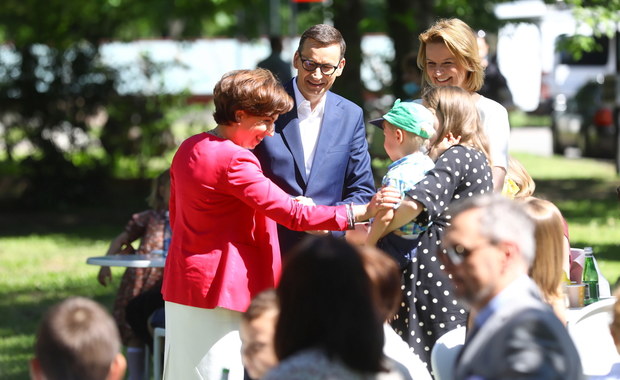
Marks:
<point>385,198</point>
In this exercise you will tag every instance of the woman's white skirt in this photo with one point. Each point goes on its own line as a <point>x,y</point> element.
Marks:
<point>191,332</point>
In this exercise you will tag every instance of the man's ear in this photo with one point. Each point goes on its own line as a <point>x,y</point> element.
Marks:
<point>36,373</point>
<point>340,67</point>
<point>400,135</point>
<point>117,368</point>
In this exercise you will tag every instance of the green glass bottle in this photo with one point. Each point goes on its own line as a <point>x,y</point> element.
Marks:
<point>590,277</point>
<point>225,373</point>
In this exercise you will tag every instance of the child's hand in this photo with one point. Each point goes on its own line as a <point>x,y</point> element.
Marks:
<point>451,140</point>
<point>387,197</point>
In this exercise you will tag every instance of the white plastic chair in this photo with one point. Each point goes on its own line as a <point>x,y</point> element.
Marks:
<point>445,351</point>
<point>589,329</point>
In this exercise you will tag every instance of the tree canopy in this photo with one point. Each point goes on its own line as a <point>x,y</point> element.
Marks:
<point>54,89</point>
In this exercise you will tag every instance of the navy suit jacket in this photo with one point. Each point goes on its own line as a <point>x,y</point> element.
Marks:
<point>341,171</point>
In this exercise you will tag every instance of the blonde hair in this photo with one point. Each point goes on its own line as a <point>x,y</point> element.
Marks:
<point>521,178</point>
<point>462,42</point>
<point>546,271</point>
<point>416,140</point>
<point>460,117</point>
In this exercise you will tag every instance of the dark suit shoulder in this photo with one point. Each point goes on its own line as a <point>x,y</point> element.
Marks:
<point>538,344</point>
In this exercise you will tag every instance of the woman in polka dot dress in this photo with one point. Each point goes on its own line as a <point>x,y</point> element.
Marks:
<point>429,307</point>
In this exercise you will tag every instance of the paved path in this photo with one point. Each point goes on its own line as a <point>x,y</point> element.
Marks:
<point>535,140</point>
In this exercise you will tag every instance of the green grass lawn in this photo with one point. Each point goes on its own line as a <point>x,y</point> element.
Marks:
<point>40,269</point>
<point>42,257</point>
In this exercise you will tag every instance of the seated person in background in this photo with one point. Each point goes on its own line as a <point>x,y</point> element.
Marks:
<point>384,275</point>
<point>77,340</point>
<point>406,128</point>
<point>258,326</point>
<point>519,185</point>
<point>546,270</point>
<point>139,314</point>
<point>148,226</point>
<point>328,326</point>
<point>489,249</point>
<point>614,327</point>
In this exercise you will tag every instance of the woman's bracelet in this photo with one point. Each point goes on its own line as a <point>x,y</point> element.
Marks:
<point>350,217</point>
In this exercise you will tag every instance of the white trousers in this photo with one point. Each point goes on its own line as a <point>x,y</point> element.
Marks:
<point>191,332</point>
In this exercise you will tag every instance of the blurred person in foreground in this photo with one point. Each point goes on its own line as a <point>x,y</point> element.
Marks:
<point>384,274</point>
<point>515,335</point>
<point>223,212</point>
<point>319,148</point>
<point>329,327</point>
<point>258,326</point>
<point>77,340</point>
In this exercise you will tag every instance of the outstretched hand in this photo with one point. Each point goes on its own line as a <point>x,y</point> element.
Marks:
<point>386,198</point>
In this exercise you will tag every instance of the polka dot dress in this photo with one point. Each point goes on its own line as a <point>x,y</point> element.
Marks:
<point>429,307</point>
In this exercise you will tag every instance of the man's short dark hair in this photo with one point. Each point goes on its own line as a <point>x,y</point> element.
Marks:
<point>325,35</point>
<point>77,340</point>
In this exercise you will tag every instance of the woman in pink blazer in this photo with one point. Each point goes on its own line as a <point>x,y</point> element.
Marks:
<point>223,213</point>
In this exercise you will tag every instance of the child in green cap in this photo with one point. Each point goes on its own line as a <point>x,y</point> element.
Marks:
<point>406,128</point>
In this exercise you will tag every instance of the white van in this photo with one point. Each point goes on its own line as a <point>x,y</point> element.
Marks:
<point>537,71</point>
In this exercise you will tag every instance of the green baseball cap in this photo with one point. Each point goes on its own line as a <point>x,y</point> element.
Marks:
<point>409,116</point>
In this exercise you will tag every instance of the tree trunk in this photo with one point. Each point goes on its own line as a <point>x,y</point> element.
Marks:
<point>347,17</point>
<point>406,19</point>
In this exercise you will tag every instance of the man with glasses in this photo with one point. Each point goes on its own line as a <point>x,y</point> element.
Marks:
<point>515,334</point>
<point>319,148</point>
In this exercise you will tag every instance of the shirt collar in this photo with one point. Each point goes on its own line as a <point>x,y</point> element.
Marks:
<point>504,297</point>
<point>301,101</point>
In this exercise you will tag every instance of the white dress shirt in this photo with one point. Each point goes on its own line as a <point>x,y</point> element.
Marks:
<point>309,125</point>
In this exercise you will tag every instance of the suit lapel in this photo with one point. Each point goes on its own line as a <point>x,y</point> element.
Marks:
<point>289,129</point>
<point>328,133</point>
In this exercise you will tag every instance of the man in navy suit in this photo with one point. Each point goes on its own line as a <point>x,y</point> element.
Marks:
<point>319,148</point>
<point>515,334</point>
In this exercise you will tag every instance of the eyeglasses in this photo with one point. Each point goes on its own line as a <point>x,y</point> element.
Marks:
<point>310,65</point>
<point>457,253</point>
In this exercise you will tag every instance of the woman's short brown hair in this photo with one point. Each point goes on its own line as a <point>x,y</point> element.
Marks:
<point>256,92</point>
<point>462,42</point>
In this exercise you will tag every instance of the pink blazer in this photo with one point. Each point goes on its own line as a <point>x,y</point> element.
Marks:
<point>223,213</point>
